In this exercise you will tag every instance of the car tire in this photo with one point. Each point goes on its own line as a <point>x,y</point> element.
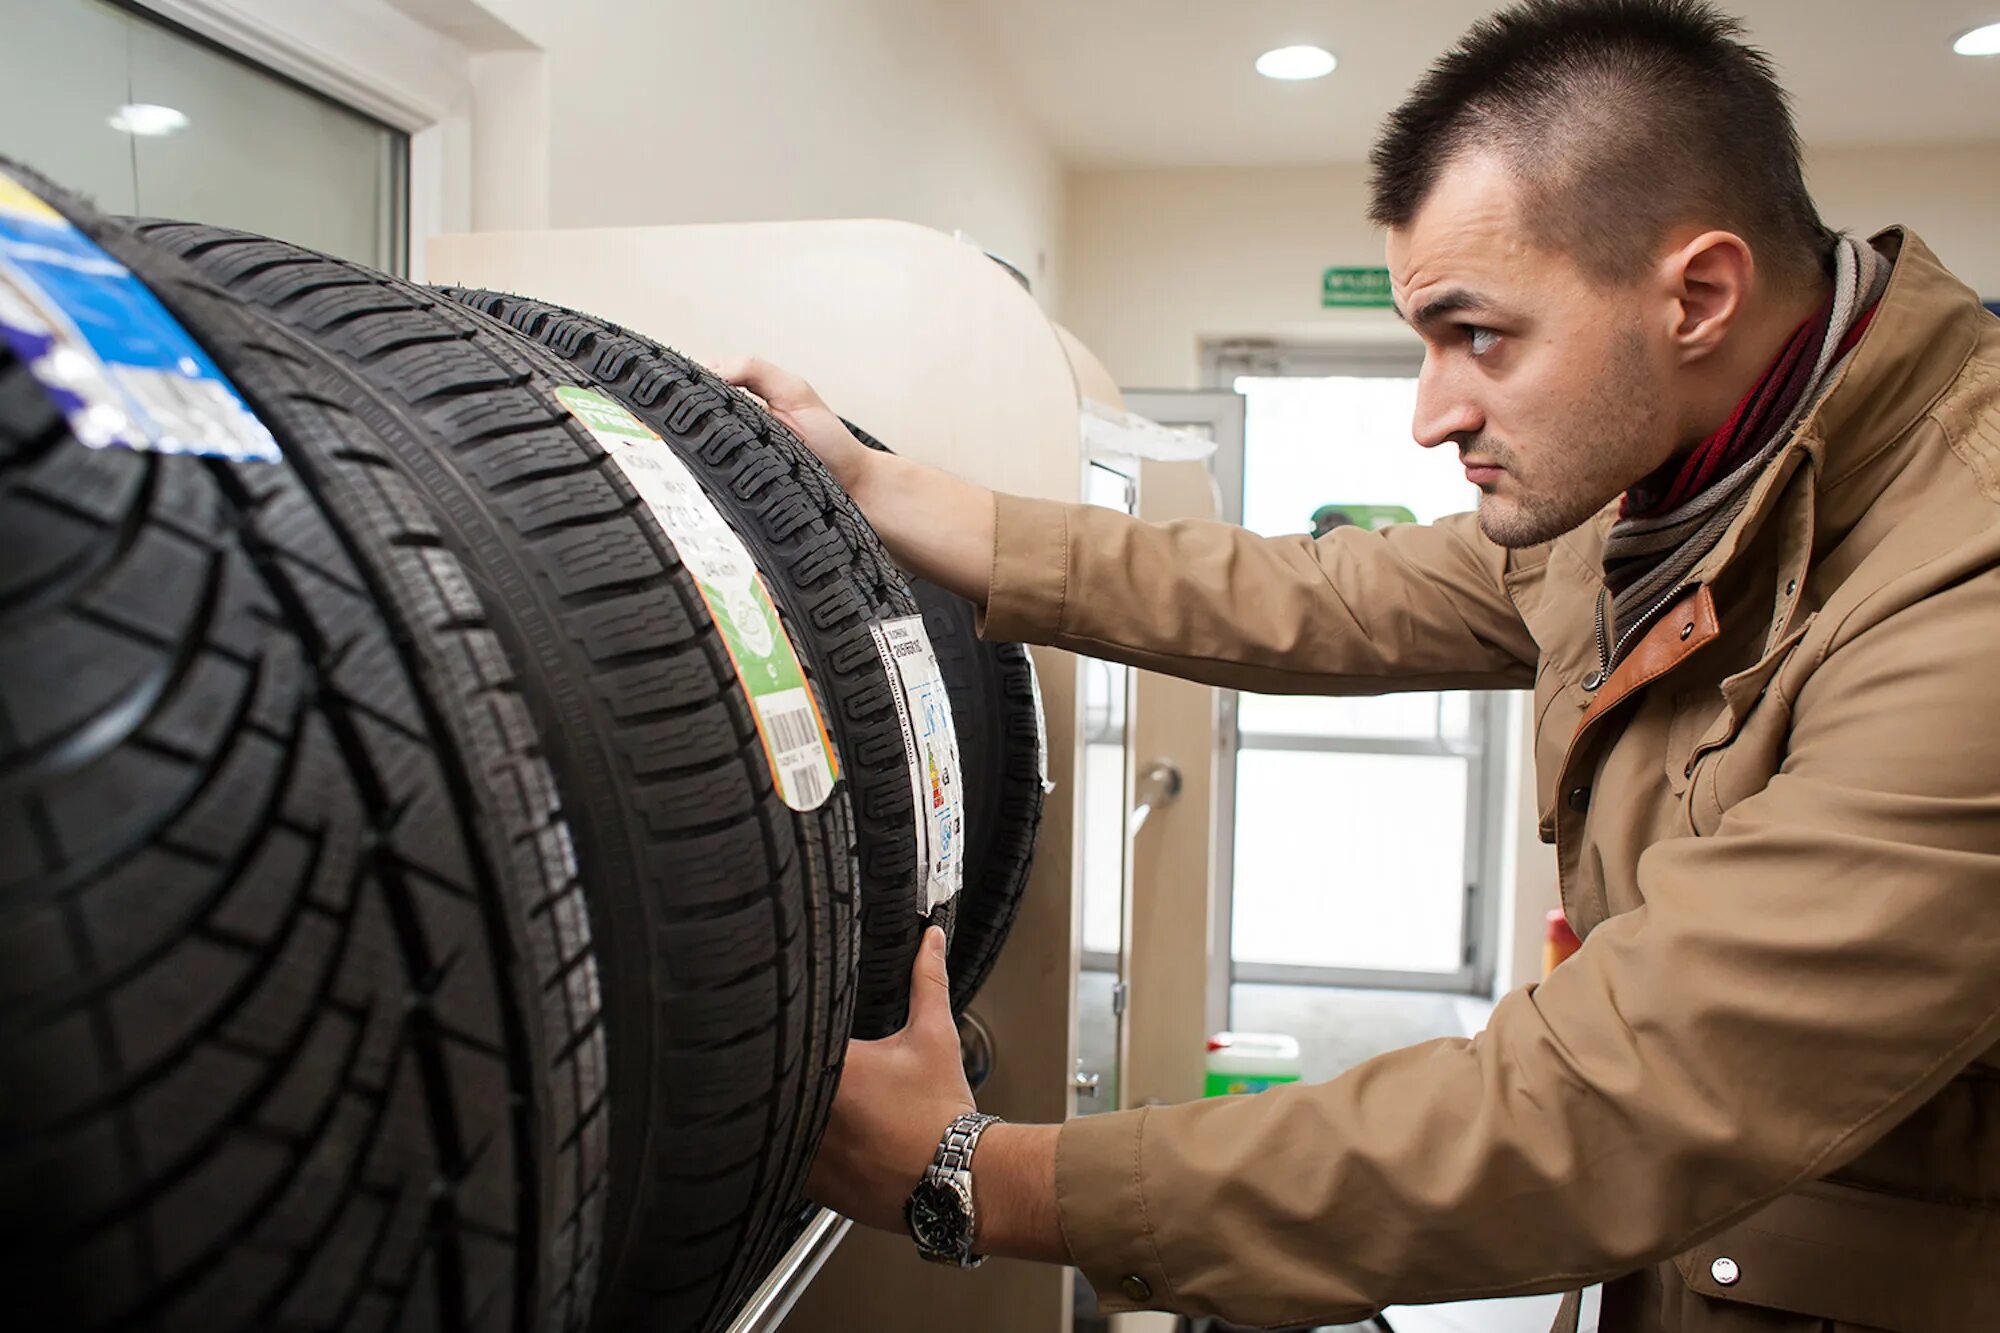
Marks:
<point>288,1033</point>
<point>725,920</point>
<point>840,581</point>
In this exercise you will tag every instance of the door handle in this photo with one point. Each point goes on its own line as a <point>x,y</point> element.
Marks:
<point>1159,785</point>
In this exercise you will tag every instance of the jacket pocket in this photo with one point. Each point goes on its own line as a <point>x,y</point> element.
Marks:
<point>1695,714</point>
<point>1859,1257</point>
<point>1744,741</point>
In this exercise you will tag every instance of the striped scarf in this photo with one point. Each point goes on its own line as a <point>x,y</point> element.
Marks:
<point>1672,519</point>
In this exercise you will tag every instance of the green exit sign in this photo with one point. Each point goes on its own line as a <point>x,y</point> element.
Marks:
<point>1356,287</point>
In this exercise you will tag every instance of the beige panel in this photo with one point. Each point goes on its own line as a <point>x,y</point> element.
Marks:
<point>1170,888</point>
<point>921,340</point>
<point>934,348</point>
<point>1093,381</point>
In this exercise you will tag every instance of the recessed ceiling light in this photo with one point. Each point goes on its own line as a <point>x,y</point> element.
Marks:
<point>1979,42</point>
<point>144,118</point>
<point>1296,62</point>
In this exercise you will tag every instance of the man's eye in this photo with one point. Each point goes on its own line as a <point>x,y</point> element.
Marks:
<point>1480,340</point>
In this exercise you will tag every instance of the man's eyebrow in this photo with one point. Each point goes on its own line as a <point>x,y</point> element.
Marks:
<point>1445,303</point>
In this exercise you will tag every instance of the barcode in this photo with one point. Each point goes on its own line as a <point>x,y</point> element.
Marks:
<point>798,749</point>
<point>805,784</point>
<point>791,730</point>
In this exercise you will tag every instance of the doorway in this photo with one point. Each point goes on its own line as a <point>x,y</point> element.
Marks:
<point>1361,836</point>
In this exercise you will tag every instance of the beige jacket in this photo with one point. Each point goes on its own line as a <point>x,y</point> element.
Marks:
<point>1778,826</point>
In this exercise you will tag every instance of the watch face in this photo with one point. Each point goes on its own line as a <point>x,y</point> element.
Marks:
<point>938,1217</point>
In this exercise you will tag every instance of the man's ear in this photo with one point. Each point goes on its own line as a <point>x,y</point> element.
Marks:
<point>1707,281</point>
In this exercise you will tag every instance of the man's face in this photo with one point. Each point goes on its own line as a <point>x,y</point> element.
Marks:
<point>1552,385</point>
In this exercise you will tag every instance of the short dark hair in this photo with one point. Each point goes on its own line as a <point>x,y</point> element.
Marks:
<point>1622,119</point>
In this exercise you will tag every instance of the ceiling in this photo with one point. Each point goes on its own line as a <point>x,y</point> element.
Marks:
<point>1159,83</point>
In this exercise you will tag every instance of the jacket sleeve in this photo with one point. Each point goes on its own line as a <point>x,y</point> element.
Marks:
<point>1793,987</point>
<point>1413,607</point>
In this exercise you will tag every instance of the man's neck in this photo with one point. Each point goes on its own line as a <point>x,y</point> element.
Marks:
<point>1747,357</point>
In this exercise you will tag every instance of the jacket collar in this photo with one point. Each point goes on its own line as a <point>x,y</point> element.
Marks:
<point>1924,330</point>
<point>1923,333</point>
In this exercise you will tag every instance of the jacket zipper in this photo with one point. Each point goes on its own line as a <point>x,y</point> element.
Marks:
<point>1607,651</point>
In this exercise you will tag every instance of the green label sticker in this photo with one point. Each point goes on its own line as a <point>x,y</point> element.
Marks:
<point>601,416</point>
<point>787,715</point>
<point>1368,287</point>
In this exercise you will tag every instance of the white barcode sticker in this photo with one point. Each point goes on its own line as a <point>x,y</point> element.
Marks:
<point>787,715</point>
<point>792,726</point>
<point>930,746</point>
<point>1041,723</point>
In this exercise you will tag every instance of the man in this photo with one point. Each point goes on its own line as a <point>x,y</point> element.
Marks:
<point>1739,528</point>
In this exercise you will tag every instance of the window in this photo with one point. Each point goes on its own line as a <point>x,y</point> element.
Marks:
<point>242,147</point>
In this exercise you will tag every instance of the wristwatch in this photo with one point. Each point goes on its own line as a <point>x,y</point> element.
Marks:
<point>939,1211</point>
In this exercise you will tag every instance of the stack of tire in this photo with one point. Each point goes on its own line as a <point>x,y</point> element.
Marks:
<point>446,856</point>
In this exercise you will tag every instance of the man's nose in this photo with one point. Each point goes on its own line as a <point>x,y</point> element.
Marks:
<point>1444,413</point>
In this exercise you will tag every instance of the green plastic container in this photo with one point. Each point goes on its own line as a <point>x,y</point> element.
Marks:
<point>1372,517</point>
<point>1240,1062</point>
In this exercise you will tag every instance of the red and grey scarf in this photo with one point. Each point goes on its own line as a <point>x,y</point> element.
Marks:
<point>1676,516</point>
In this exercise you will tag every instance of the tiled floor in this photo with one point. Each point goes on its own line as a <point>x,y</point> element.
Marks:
<point>1337,1029</point>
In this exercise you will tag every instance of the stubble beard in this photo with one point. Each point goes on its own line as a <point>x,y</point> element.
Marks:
<point>1612,448</point>
<point>1531,517</point>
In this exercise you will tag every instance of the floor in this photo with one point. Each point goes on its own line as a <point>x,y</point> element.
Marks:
<point>1337,1029</point>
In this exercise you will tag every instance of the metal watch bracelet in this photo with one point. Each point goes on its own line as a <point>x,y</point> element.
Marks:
<point>961,1136</point>
<point>947,1185</point>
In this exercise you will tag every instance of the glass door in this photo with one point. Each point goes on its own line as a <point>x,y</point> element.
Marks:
<point>1362,835</point>
<point>1107,692</point>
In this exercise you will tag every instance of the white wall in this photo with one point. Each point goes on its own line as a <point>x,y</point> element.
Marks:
<point>606,112</point>
<point>1160,260</point>
<point>790,109</point>
<point>1948,196</point>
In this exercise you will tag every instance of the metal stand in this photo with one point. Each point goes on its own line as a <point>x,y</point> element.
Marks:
<point>780,1290</point>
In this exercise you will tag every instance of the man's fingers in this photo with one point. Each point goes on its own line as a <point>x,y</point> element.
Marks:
<point>930,988</point>
<point>783,390</point>
<point>930,967</point>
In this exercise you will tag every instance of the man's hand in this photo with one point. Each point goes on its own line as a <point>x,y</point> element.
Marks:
<point>896,1097</point>
<point>795,403</point>
<point>934,525</point>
